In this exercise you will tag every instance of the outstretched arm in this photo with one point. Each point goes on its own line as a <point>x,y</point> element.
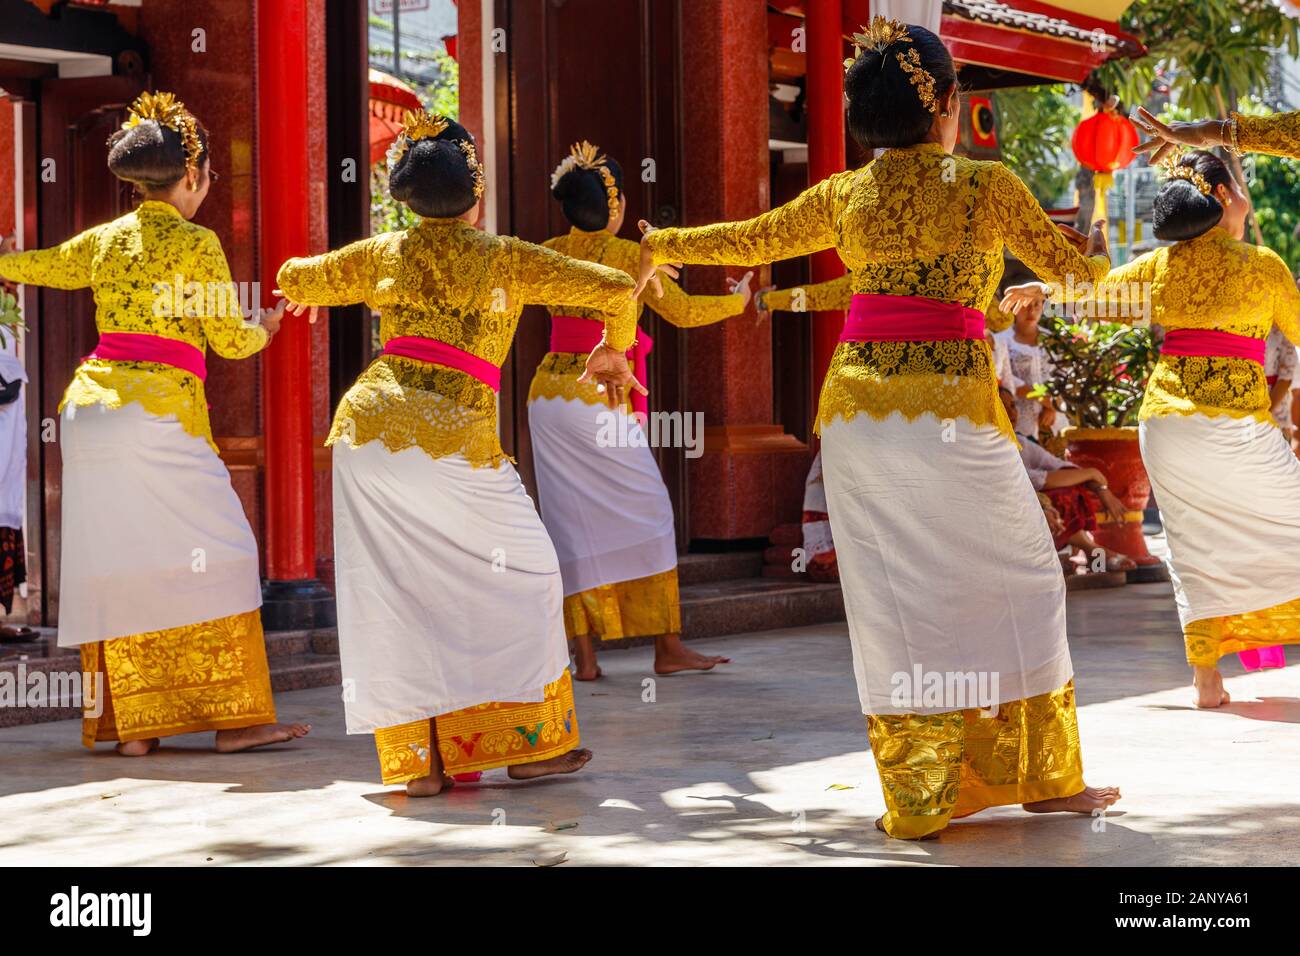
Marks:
<point>1037,241</point>
<point>65,266</point>
<point>226,330</point>
<point>829,296</point>
<point>542,276</point>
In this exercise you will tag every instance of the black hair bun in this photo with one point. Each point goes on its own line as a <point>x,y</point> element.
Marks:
<point>432,176</point>
<point>150,154</point>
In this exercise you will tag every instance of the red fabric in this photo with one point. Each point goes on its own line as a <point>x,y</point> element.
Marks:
<point>1213,342</point>
<point>569,333</point>
<point>1077,507</point>
<point>440,353</point>
<point>143,347</point>
<point>909,318</point>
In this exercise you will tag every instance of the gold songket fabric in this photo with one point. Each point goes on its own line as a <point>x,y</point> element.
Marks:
<point>1210,282</point>
<point>914,222</point>
<point>483,737</point>
<point>641,607</point>
<point>936,767</point>
<point>208,676</point>
<point>153,272</point>
<point>443,279</point>
<point>1210,638</point>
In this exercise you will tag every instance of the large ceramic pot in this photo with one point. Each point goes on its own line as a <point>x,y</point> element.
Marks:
<point>1114,452</point>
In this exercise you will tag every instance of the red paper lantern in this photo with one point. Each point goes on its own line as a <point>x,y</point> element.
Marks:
<point>1104,142</point>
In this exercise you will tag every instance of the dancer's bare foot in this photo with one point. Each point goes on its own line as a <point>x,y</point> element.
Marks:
<point>671,656</point>
<point>1087,800</point>
<point>573,761</point>
<point>1207,684</point>
<point>246,738</point>
<point>584,659</point>
<point>430,786</point>
<point>138,748</point>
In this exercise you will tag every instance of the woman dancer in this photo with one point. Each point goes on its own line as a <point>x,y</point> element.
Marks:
<point>159,575</point>
<point>451,625</point>
<point>923,483</point>
<point>1227,482</point>
<point>604,502</point>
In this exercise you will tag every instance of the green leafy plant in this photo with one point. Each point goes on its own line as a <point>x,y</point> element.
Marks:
<point>11,318</point>
<point>1034,129</point>
<point>1101,369</point>
<point>1208,52</point>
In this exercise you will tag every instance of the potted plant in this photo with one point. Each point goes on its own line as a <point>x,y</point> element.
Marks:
<point>1100,374</point>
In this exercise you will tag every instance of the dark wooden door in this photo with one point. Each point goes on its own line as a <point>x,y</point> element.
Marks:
<point>604,71</point>
<point>74,190</point>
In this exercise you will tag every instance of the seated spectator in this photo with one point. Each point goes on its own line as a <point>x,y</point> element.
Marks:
<point>1029,367</point>
<point>1074,494</point>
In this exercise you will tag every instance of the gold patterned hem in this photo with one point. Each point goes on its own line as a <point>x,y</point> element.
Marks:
<point>160,390</point>
<point>948,379</point>
<point>182,680</point>
<point>937,767</point>
<point>1211,638</point>
<point>404,403</point>
<point>484,737</point>
<point>557,377</point>
<point>641,607</point>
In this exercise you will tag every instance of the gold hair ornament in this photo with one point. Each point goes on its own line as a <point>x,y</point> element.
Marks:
<point>879,37</point>
<point>416,125</point>
<point>166,110</point>
<point>475,167</point>
<point>1174,169</point>
<point>585,155</point>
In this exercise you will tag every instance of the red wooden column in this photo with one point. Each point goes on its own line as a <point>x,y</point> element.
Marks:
<point>292,596</point>
<point>826,152</point>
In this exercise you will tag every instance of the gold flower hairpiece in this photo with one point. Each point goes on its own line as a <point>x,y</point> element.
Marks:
<point>881,34</point>
<point>475,167</point>
<point>416,125</point>
<point>1175,169</point>
<point>585,155</point>
<point>166,110</point>
<point>879,37</point>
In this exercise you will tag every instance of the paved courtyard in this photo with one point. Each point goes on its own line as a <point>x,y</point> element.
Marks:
<point>763,761</point>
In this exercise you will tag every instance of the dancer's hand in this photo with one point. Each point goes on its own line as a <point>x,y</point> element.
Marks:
<point>1021,298</point>
<point>296,308</point>
<point>1097,245</point>
<point>612,373</point>
<point>270,318</point>
<point>1166,138</point>
<point>741,286</point>
<point>760,302</point>
<point>649,271</point>
<point>1077,239</point>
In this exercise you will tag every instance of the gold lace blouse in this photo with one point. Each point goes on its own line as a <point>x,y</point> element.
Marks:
<point>1210,282</point>
<point>443,279</point>
<point>1278,134</point>
<point>914,222</point>
<point>557,374</point>
<point>134,264</point>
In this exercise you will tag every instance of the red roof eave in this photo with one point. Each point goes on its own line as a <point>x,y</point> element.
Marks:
<point>1023,51</point>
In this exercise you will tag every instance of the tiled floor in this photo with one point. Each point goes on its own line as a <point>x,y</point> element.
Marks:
<point>762,762</point>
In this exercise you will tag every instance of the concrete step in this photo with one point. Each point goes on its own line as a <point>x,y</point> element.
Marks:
<point>704,568</point>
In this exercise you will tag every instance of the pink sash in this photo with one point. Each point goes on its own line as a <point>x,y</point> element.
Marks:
<point>1259,658</point>
<point>579,336</point>
<point>909,318</point>
<point>143,347</point>
<point>1213,342</point>
<point>440,353</point>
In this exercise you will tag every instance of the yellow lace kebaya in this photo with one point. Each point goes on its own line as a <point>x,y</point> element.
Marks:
<point>914,222</point>
<point>1210,282</point>
<point>134,264</point>
<point>557,374</point>
<point>1278,135</point>
<point>443,279</point>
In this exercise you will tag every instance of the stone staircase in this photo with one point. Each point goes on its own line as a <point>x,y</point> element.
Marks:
<point>721,594</point>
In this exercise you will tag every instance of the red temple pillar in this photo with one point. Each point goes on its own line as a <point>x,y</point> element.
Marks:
<point>292,597</point>
<point>750,476</point>
<point>826,153</point>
